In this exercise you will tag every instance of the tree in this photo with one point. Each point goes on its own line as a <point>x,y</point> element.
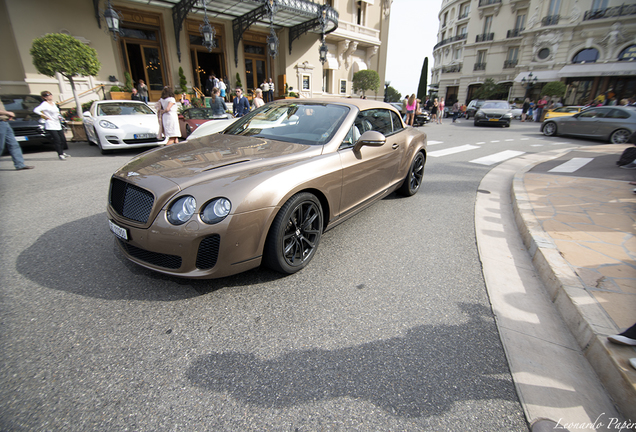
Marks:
<point>392,95</point>
<point>422,89</point>
<point>183,82</point>
<point>57,52</point>
<point>366,80</point>
<point>490,90</point>
<point>554,88</point>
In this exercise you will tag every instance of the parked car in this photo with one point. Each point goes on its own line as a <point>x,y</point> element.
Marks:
<point>562,112</point>
<point>473,107</point>
<point>190,119</point>
<point>121,124</point>
<point>516,112</point>
<point>494,112</point>
<point>610,123</point>
<point>27,126</point>
<point>420,119</point>
<point>265,190</point>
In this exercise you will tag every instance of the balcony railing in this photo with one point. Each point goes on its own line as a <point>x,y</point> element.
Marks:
<point>611,12</point>
<point>550,20</point>
<point>451,69</point>
<point>451,39</point>
<point>485,37</point>
<point>510,64</point>
<point>514,33</point>
<point>488,2</point>
<point>479,66</point>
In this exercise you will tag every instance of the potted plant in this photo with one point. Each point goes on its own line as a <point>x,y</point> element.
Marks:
<point>117,93</point>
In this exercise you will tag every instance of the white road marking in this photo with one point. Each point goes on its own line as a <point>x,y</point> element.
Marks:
<point>497,157</point>
<point>571,165</point>
<point>435,142</point>
<point>452,150</point>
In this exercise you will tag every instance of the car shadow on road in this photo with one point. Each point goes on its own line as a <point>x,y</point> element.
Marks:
<point>81,257</point>
<point>422,373</point>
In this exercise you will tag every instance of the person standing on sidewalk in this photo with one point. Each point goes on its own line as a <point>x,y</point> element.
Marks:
<point>142,88</point>
<point>49,111</point>
<point>7,138</point>
<point>456,110</point>
<point>440,110</point>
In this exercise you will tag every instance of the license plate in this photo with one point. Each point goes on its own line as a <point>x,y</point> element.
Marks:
<point>21,138</point>
<point>493,119</point>
<point>118,231</point>
<point>146,135</point>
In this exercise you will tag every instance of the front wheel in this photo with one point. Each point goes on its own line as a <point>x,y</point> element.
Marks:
<point>550,129</point>
<point>413,179</point>
<point>293,239</point>
<point>620,136</point>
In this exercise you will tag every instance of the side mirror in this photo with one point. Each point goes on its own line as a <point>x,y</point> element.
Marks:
<point>371,139</point>
<point>86,114</point>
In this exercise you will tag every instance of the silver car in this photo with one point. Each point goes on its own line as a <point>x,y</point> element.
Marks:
<point>610,123</point>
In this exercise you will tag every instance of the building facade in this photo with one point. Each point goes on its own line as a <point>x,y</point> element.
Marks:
<point>158,37</point>
<point>590,45</point>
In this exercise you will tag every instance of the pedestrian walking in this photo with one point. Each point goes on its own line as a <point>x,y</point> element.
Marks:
<point>142,89</point>
<point>7,138</point>
<point>440,108</point>
<point>411,104</point>
<point>524,109</point>
<point>49,111</point>
<point>169,118</point>
<point>217,103</point>
<point>456,110</point>
<point>240,105</point>
<point>434,110</point>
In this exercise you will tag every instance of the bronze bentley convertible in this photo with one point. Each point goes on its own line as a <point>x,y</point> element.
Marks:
<point>265,189</point>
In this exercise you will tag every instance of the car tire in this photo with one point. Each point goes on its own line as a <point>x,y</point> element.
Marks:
<point>620,136</point>
<point>294,236</point>
<point>550,129</point>
<point>188,131</point>
<point>88,137</point>
<point>413,179</point>
<point>476,124</point>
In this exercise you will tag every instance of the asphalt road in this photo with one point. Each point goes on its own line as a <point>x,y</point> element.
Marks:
<point>389,328</point>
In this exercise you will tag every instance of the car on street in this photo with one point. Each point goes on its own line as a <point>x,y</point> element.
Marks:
<point>264,190</point>
<point>190,119</point>
<point>122,124</point>
<point>27,126</point>
<point>473,107</point>
<point>494,112</point>
<point>562,112</point>
<point>516,112</point>
<point>420,119</point>
<point>609,123</point>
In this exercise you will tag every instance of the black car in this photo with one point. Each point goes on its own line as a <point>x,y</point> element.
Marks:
<point>473,107</point>
<point>26,125</point>
<point>494,112</point>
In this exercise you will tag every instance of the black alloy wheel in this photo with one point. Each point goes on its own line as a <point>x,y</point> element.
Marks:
<point>295,234</point>
<point>413,179</point>
<point>550,129</point>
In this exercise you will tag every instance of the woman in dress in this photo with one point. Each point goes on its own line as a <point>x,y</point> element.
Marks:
<point>49,111</point>
<point>217,103</point>
<point>258,98</point>
<point>167,110</point>
<point>434,110</point>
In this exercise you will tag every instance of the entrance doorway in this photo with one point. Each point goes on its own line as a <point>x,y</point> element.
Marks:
<point>144,59</point>
<point>204,64</point>
<point>255,65</point>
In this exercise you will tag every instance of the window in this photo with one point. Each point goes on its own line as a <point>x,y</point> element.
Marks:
<point>513,54</point>
<point>306,82</point>
<point>481,56</point>
<point>343,86</point>
<point>543,53</point>
<point>445,19</point>
<point>555,5</point>
<point>361,11</point>
<point>615,113</point>
<point>458,54</point>
<point>487,24</point>
<point>464,11</point>
<point>593,113</point>
<point>520,23</point>
<point>397,122</point>
<point>462,30</point>
<point>599,5</point>
<point>628,53</point>
<point>588,55</point>
<point>378,120</point>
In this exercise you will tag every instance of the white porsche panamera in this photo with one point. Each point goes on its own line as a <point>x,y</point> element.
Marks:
<point>117,125</point>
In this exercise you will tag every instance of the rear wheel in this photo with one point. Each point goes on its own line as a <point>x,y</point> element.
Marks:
<point>293,239</point>
<point>413,179</point>
<point>620,136</point>
<point>550,129</point>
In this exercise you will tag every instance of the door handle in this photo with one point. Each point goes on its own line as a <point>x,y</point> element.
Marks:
<point>395,146</point>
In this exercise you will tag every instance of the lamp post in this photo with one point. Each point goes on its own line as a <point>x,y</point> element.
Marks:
<point>272,39</point>
<point>112,18</point>
<point>528,83</point>
<point>323,50</point>
<point>207,31</point>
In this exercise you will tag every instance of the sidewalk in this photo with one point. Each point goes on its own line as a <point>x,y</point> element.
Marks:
<point>563,286</point>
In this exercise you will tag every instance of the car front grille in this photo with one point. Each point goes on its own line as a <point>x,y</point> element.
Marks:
<point>28,131</point>
<point>172,262</point>
<point>208,252</point>
<point>141,141</point>
<point>493,116</point>
<point>130,201</point>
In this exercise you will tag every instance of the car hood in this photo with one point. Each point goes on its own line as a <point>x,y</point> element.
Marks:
<point>214,156</point>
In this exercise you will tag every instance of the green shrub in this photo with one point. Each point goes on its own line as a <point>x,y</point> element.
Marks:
<point>115,89</point>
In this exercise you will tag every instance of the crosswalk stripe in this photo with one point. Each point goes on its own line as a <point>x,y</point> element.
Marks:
<point>452,150</point>
<point>571,165</point>
<point>497,157</point>
<point>435,142</point>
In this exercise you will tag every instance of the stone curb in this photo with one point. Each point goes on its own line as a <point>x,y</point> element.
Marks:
<point>585,318</point>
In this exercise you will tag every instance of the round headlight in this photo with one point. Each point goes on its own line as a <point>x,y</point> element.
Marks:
<point>216,210</point>
<point>107,125</point>
<point>182,210</point>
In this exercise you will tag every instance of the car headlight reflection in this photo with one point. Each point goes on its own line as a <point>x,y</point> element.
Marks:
<point>216,210</point>
<point>107,125</point>
<point>182,210</point>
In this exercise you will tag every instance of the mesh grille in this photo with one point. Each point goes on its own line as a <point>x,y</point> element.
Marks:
<point>130,201</point>
<point>154,258</point>
<point>208,252</point>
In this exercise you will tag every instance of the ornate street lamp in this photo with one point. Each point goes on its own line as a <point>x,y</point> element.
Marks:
<point>207,31</point>
<point>529,83</point>
<point>112,18</point>
<point>272,39</point>
<point>323,50</point>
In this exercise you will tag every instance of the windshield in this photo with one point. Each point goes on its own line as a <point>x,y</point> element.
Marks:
<point>303,123</point>
<point>22,105</point>
<point>123,108</point>
<point>495,105</point>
